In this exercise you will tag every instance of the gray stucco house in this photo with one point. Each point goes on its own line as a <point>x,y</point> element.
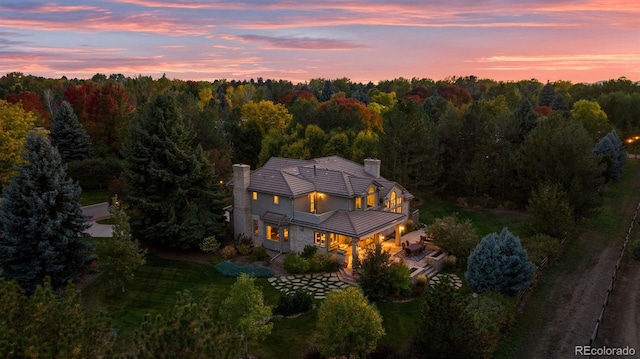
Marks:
<point>330,202</point>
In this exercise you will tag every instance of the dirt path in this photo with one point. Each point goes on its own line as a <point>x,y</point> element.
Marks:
<point>621,323</point>
<point>573,295</point>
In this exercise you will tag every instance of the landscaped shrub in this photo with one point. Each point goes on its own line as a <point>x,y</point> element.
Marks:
<point>228,252</point>
<point>294,302</point>
<point>409,226</point>
<point>320,262</point>
<point>309,251</point>
<point>634,249</point>
<point>259,254</point>
<point>209,244</point>
<point>244,249</point>
<point>295,264</point>
<point>400,279</point>
<point>450,262</point>
<point>231,269</point>
<point>540,246</point>
<point>380,277</point>
<point>421,284</point>
<point>492,314</point>
<point>456,236</point>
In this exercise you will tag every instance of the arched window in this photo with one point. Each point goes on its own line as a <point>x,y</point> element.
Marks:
<point>371,197</point>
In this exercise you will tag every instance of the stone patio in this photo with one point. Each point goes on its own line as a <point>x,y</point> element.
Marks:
<point>319,285</point>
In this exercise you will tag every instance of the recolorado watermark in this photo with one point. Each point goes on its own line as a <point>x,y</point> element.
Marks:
<point>586,350</point>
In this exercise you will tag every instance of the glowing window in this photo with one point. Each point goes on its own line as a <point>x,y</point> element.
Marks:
<point>254,195</point>
<point>276,199</point>
<point>273,233</point>
<point>256,227</point>
<point>312,202</point>
<point>285,234</point>
<point>371,197</point>
<point>319,238</point>
<point>358,202</point>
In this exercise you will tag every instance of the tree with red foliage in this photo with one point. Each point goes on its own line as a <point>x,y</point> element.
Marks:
<point>419,94</point>
<point>543,110</point>
<point>290,96</point>
<point>31,103</point>
<point>454,94</point>
<point>346,113</point>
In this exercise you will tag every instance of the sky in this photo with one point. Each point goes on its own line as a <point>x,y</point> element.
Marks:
<point>505,40</point>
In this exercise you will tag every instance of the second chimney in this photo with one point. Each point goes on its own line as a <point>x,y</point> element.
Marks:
<point>372,167</point>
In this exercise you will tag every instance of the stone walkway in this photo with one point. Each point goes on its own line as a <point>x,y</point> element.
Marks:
<point>319,285</point>
<point>455,280</point>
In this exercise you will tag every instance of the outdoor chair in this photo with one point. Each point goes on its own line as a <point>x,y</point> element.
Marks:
<point>407,243</point>
<point>407,251</point>
<point>404,246</point>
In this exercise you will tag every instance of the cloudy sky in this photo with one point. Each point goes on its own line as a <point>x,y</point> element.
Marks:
<point>580,41</point>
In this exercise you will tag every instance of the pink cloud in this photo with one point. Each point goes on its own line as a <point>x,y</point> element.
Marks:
<point>297,43</point>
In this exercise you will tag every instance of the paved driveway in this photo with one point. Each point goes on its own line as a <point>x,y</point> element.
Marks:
<point>97,212</point>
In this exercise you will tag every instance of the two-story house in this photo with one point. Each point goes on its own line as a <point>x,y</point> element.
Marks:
<point>329,202</point>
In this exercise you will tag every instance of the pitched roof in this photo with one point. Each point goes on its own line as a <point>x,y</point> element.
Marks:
<point>332,175</point>
<point>357,223</point>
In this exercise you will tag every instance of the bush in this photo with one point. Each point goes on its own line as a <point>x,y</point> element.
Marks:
<point>634,249</point>
<point>230,269</point>
<point>294,302</point>
<point>324,262</point>
<point>309,251</point>
<point>540,246</point>
<point>210,244</point>
<point>95,173</point>
<point>450,262</point>
<point>380,277</point>
<point>295,264</point>
<point>244,249</point>
<point>409,227</point>
<point>456,236</point>
<point>422,281</point>
<point>259,254</point>
<point>492,314</point>
<point>400,279</point>
<point>228,252</point>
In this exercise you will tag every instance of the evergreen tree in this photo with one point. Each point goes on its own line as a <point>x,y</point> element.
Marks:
<point>42,220</point>
<point>120,256</point>
<point>559,103</point>
<point>446,329</point>
<point>172,193</point>
<point>526,118</point>
<point>549,211</point>
<point>68,135</point>
<point>187,331</point>
<point>546,95</point>
<point>499,263</point>
<point>48,324</point>
<point>326,93</point>
<point>619,156</point>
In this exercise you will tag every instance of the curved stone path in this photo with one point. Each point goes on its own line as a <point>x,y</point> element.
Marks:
<point>319,285</point>
<point>455,280</point>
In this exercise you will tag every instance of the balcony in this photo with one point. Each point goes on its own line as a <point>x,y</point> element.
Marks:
<point>312,217</point>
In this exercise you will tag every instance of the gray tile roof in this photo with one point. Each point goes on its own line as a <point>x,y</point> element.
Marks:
<point>357,223</point>
<point>332,175</point>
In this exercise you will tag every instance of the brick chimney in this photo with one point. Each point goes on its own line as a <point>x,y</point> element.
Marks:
<point>372,166</point>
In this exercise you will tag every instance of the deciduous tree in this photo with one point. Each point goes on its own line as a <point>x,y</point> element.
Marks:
<point>42,220</point>
<point>15,123</point>
<point>348,325</point>
<point>458,237</point>
<point>549,211</point>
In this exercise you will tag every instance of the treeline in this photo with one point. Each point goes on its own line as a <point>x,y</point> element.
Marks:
<point>478,138</point>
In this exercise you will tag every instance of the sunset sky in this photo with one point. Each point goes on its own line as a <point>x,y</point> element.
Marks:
<point>580,41</point>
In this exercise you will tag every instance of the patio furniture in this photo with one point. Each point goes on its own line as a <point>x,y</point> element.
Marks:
<point>414,248</point>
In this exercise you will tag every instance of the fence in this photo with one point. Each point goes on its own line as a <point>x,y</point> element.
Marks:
<point>613,277</point>
<point>536,276</point>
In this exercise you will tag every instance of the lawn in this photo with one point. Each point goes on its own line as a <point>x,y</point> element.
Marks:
<point>89,197</point>
<point>154,291</point>
<point>484,220</point>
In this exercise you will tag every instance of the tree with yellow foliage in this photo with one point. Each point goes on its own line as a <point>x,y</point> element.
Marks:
<point>268,115</point>
<point>15,124</point>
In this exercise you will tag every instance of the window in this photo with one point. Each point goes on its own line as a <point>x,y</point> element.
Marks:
<point>256,227</point>
<point>273,233</point>
<point>395,203</point>
<point>358,202</point>
<point>312,202</point>
<point>319,238</point>
<point>333,240</point>
<point>254,196</point>
<point>371,197</point>
<point>285,234</point>
<point>276,199</point>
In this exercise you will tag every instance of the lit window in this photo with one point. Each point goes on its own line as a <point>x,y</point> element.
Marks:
<point>254,195</point>
<point>319,238</point>
<point>371,197</point>
<point>276,199</point>
<point>256,227</point>
<point>312,202</point>
<point>285,234</point>
<point>273,233</point>
<point>358,202</point>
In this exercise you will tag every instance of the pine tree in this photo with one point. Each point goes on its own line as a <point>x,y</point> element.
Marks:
<point>120,256</point>
<point>446,329</point>
<point>546,95</point>
<point>68,135</point>
<point>42,220</point>
<point>499,263</point>
<point>326,93</point>
<point>559,103</point>
<point>172,193</point>
<point>526,118</point>
<point>549,211</point>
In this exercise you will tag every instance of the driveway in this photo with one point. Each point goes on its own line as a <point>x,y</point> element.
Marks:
<point>97,212</point>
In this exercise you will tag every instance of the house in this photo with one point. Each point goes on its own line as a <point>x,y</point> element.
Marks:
<point>330,202</point>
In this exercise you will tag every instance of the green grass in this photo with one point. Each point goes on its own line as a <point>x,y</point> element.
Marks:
<point>89,197</point>
<point>106,221</point>
<point>484,220</point>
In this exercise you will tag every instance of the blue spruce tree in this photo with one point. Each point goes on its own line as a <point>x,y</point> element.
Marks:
<point>69,136</point>
<point>499,263</point>
<point>42,221</point>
